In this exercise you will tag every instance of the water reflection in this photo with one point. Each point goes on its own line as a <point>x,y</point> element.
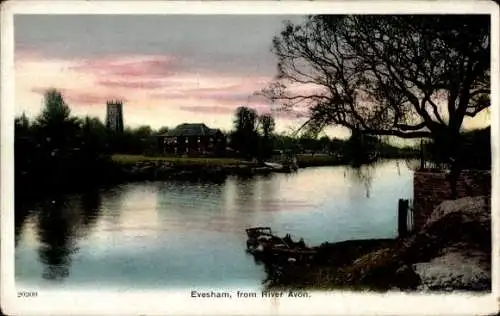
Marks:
<point>245,198</point>
<point>187,233</point>
<point>56,234</point>
<point>20,217</point>
<point>91,207</point>
<point>361,176</point>
<point>181,197</point>
<point>62,220</point>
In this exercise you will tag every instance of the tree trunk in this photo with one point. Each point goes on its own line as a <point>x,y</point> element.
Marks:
<point>454,157</point>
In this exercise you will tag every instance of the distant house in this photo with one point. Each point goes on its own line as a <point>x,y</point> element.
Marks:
<point>193,139</point>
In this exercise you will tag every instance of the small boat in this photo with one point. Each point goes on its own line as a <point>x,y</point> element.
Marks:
<point>263,244</point>
<point>274,165</point>
<point>258,238</point>
<point>255,232</point>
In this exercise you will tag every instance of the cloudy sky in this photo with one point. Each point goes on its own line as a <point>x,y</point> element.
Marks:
<point>167,69</point>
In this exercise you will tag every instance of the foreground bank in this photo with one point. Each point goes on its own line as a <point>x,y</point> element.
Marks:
<point>452,251</point>
<point>138,167</point>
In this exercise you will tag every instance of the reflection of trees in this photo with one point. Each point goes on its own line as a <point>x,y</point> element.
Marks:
<point>245,198</point>
<point>21,212</point>
<point>362,175</point>
<point>61,222</point>
<point>91,208</point>
<point>56,236</point>
<point>268,187</point>
<point>188,198</point>
<point>412,164</point>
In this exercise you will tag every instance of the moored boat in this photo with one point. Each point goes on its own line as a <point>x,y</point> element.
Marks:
<point>264,245</point>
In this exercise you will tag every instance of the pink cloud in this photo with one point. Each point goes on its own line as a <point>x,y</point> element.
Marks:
<point>291,114</point>
<point>222,109</point>
<point>43,90</point>
<point>82,98</point>
<point>118,74</point>
<point>235,95</point>
<point>91,99</point>
<point>131,84</point>
<point>130,67</point>
<point>260,108</point>
<point>22,54</point>
<point>215,109</point>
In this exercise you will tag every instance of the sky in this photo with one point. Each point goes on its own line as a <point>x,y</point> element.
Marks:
<point>167,69</point>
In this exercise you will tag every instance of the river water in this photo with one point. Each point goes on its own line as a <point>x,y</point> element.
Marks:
<point>173,234</point>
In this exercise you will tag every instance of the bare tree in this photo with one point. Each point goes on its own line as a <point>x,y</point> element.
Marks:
<point>405,76</point>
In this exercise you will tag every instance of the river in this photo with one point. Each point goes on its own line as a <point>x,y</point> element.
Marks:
<point>173,234</point>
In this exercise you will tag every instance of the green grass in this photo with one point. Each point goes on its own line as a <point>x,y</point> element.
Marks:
<point>308,160</point>
<point>132,159</point>
<point>305,160</point>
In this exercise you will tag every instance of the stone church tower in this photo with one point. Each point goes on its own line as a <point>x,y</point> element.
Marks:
<point>114,115</point>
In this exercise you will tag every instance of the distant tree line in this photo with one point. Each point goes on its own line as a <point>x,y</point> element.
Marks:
<point>57,150</point>
<point>474,152</point>
<point>253,136</point>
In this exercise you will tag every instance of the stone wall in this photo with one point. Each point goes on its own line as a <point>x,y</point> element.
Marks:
<point>432,187</point>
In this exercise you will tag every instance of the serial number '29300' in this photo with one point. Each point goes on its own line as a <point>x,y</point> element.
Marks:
<point>27,294</point>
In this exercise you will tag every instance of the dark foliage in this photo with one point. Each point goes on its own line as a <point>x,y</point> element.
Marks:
<point>57,152</point>
<point>408,76</point>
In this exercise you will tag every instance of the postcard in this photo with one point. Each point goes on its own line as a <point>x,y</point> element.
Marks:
<point>281,157</point>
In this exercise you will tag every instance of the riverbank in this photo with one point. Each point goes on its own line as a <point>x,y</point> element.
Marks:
<point>320,160</point>
<point>452,251</point>
<point>140,167</point>
<point>143,168</point>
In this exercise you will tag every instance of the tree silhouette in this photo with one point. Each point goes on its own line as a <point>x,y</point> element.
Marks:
<point>266,126</point>
<point>55,133</point>
<point>406,76</point>
<point>163,130</point>
<point>57,151</point>
<point>245,137</point>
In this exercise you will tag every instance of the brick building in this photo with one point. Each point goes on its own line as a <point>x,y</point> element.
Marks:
<point>193,139</point>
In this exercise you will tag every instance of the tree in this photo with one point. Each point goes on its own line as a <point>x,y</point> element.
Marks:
<point>55,134</point>
<point>163,130</point>
<point>325,143</point>
<point>55,111</point>
<point>23,143</point>
<point>145,139</point>
<point>267,126</point>
<point>58,151</point>
<point>360,147</point>
<point>143,131</point>
<point>93,138</point>
<point>244,137</point>
<point>406,76</point>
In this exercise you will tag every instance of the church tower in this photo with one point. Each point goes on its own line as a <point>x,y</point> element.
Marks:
<point>114,115</point>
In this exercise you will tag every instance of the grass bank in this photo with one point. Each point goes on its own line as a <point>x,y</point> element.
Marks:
<point>177,161</point>
<point>303,160</point>
<point>317,160</point>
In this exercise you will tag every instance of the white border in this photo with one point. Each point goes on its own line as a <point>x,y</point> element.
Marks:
<point>102,303</point>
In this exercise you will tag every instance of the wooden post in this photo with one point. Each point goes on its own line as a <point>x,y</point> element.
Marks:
<point>422,156</point>
<point>402,218</point>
